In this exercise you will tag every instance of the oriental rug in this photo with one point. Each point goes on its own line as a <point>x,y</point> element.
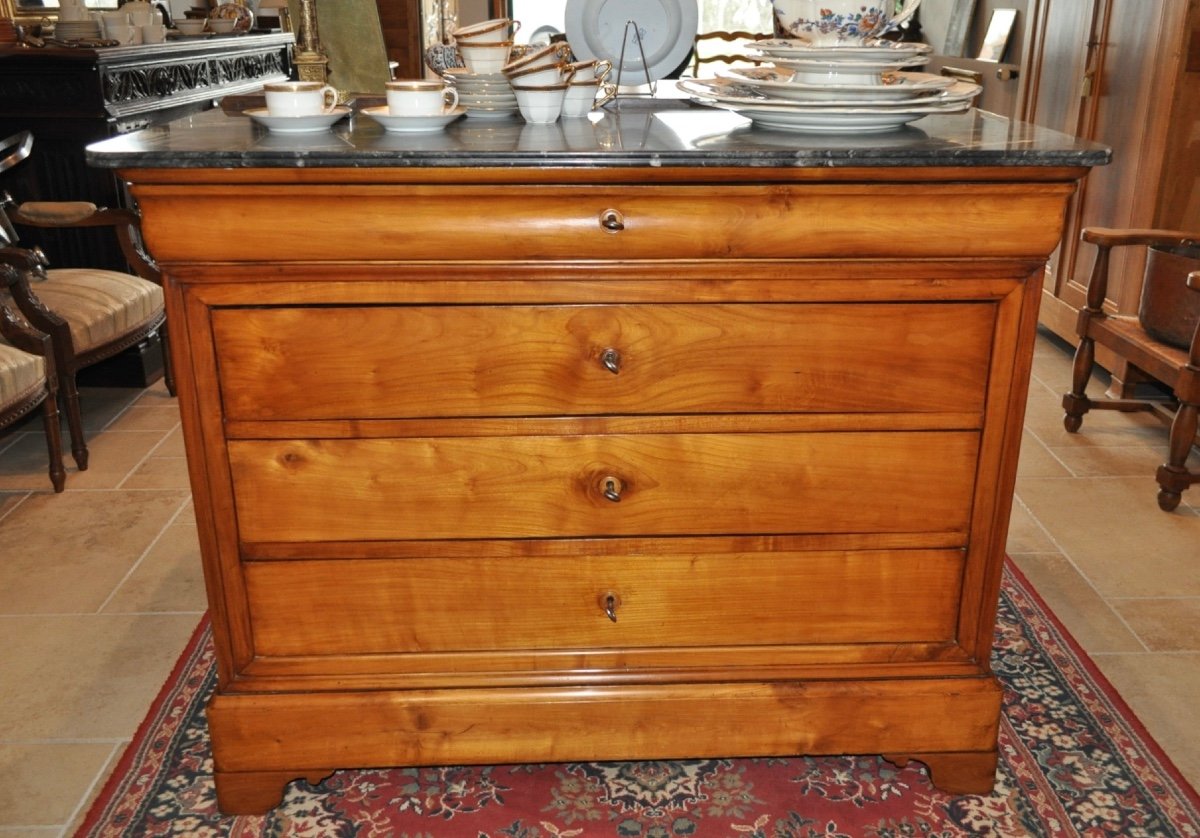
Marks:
<point>1073,761</point>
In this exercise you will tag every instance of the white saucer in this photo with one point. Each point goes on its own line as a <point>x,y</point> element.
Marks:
<point>412,124</point>
<point>297,124</point>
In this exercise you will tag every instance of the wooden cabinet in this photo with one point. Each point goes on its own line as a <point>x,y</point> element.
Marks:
<point>549,463</point>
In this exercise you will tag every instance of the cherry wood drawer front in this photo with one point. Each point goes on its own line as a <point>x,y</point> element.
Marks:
<point>554,486</point>
<point>394,362</point>
<point>439,605</point>
<point>446,222</point>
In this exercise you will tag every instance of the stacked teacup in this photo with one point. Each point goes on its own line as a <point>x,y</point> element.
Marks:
<point>539,78</point>
<point>483,90</point>
<point>588,87</point>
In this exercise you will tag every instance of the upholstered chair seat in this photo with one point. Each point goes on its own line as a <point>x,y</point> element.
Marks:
<point>100,306</point>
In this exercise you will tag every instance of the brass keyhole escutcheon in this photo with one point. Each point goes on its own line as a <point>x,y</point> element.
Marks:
<point>611,359</point>
<point>609,601</point>
<point>612,489</point>
<point>612,220</point>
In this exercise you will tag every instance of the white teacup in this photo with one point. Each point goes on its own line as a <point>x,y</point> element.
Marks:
<point>540,74</point>
<point>222,25</point>
<point>299,98</point>
<point>595,69</point>
<point>496,29</point>
<point>154,33</point>
<point>548,54</point>
<point>584,96</point>
<point>542,104</point>
<point>191,26</point>
<point>420,97</point>
<point>485,56</point>
<point>844,22</point>
<point>125,34</point>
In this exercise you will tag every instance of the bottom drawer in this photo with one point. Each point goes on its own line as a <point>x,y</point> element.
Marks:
<point>478,604</point>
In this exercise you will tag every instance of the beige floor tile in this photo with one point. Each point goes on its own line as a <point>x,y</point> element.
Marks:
<point>1038,461</point>
<point>10,501</point>
<point>67,553</point>
<point>152,416</point>
<point>1164,625</point>
<point>1025,535</point>
<point>159,473</point>
<point>99,406</point>
<point>1113,531</point>
<point>1088,618</point>
<point>1116,461</point>
<point>1162,690</point>
<point>25,463</point>
<point>114,455</point>
<point>188,514</point>
<point>172,444</point>
<point>41,785</point>
<point>78,677</point>
<point>168,579</point>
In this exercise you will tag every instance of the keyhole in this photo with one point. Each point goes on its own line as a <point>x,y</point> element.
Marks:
<point>610,603</point>
<point>612,489</point>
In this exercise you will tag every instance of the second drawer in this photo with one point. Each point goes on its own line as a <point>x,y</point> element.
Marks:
<point>576,486</point>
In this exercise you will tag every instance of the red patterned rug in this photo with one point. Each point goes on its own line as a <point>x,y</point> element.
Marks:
<point>1073,761</point>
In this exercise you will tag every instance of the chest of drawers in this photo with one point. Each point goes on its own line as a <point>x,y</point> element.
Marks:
<point>537,464</point>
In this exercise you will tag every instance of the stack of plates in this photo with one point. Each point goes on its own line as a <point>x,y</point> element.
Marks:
<point>483,95</point>
<point>73,30</point>
<point>868,87</point>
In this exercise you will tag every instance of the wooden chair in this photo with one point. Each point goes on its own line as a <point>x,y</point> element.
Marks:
<point>1162,341</point>
<point>27,378</point>
<point>90,314</point>
<point>726,48</point>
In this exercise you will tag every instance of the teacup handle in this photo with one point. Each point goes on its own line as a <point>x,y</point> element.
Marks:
<point>603,68</point>
<point>610,93</point>
<point>908,10</point>
<point>516,27</point>
<point>449,99</point>
<point>331,98</point>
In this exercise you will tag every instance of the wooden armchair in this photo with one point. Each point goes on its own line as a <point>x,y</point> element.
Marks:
<point>27,378</point>
<point>1163,340</point>
<point>91,314</point>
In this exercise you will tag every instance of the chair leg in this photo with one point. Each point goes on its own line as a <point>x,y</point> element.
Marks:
<point>70,397</point>
<point>168,367</point>
<point>58,474</point>
<point>1173,476</point>
<point>1076,403</point>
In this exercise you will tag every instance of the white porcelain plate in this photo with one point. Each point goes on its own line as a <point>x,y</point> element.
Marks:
<point>732,95</point>
<point>776,84</point>
<point>597,29</point>
<point>412,124</point>
<point>870,51</point>
<point>297,124</point>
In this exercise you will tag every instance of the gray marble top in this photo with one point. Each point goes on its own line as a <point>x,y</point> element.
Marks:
<point>629,133</point>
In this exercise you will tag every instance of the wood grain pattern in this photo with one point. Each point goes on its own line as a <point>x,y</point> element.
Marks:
<point>538,360</point>
<point>550,487</point>
<point>379,607</point>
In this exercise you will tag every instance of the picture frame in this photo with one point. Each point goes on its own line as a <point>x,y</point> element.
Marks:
<point>958,28</point>
<point>996,38</point>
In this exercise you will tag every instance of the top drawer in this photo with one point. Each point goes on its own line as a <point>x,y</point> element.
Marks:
<point>301,363</point>
<point>559,222</point>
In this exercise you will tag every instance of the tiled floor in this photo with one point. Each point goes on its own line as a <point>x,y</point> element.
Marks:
<point>100,587</point>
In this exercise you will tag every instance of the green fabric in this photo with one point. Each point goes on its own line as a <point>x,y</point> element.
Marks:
<point>352,38</point>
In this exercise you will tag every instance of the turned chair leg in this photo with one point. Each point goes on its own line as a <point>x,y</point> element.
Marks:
<point>168,367</point>
<point>70,397</point>
<point>1173,476</point>
<point>58,474</point>
<point>1076,403</point>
